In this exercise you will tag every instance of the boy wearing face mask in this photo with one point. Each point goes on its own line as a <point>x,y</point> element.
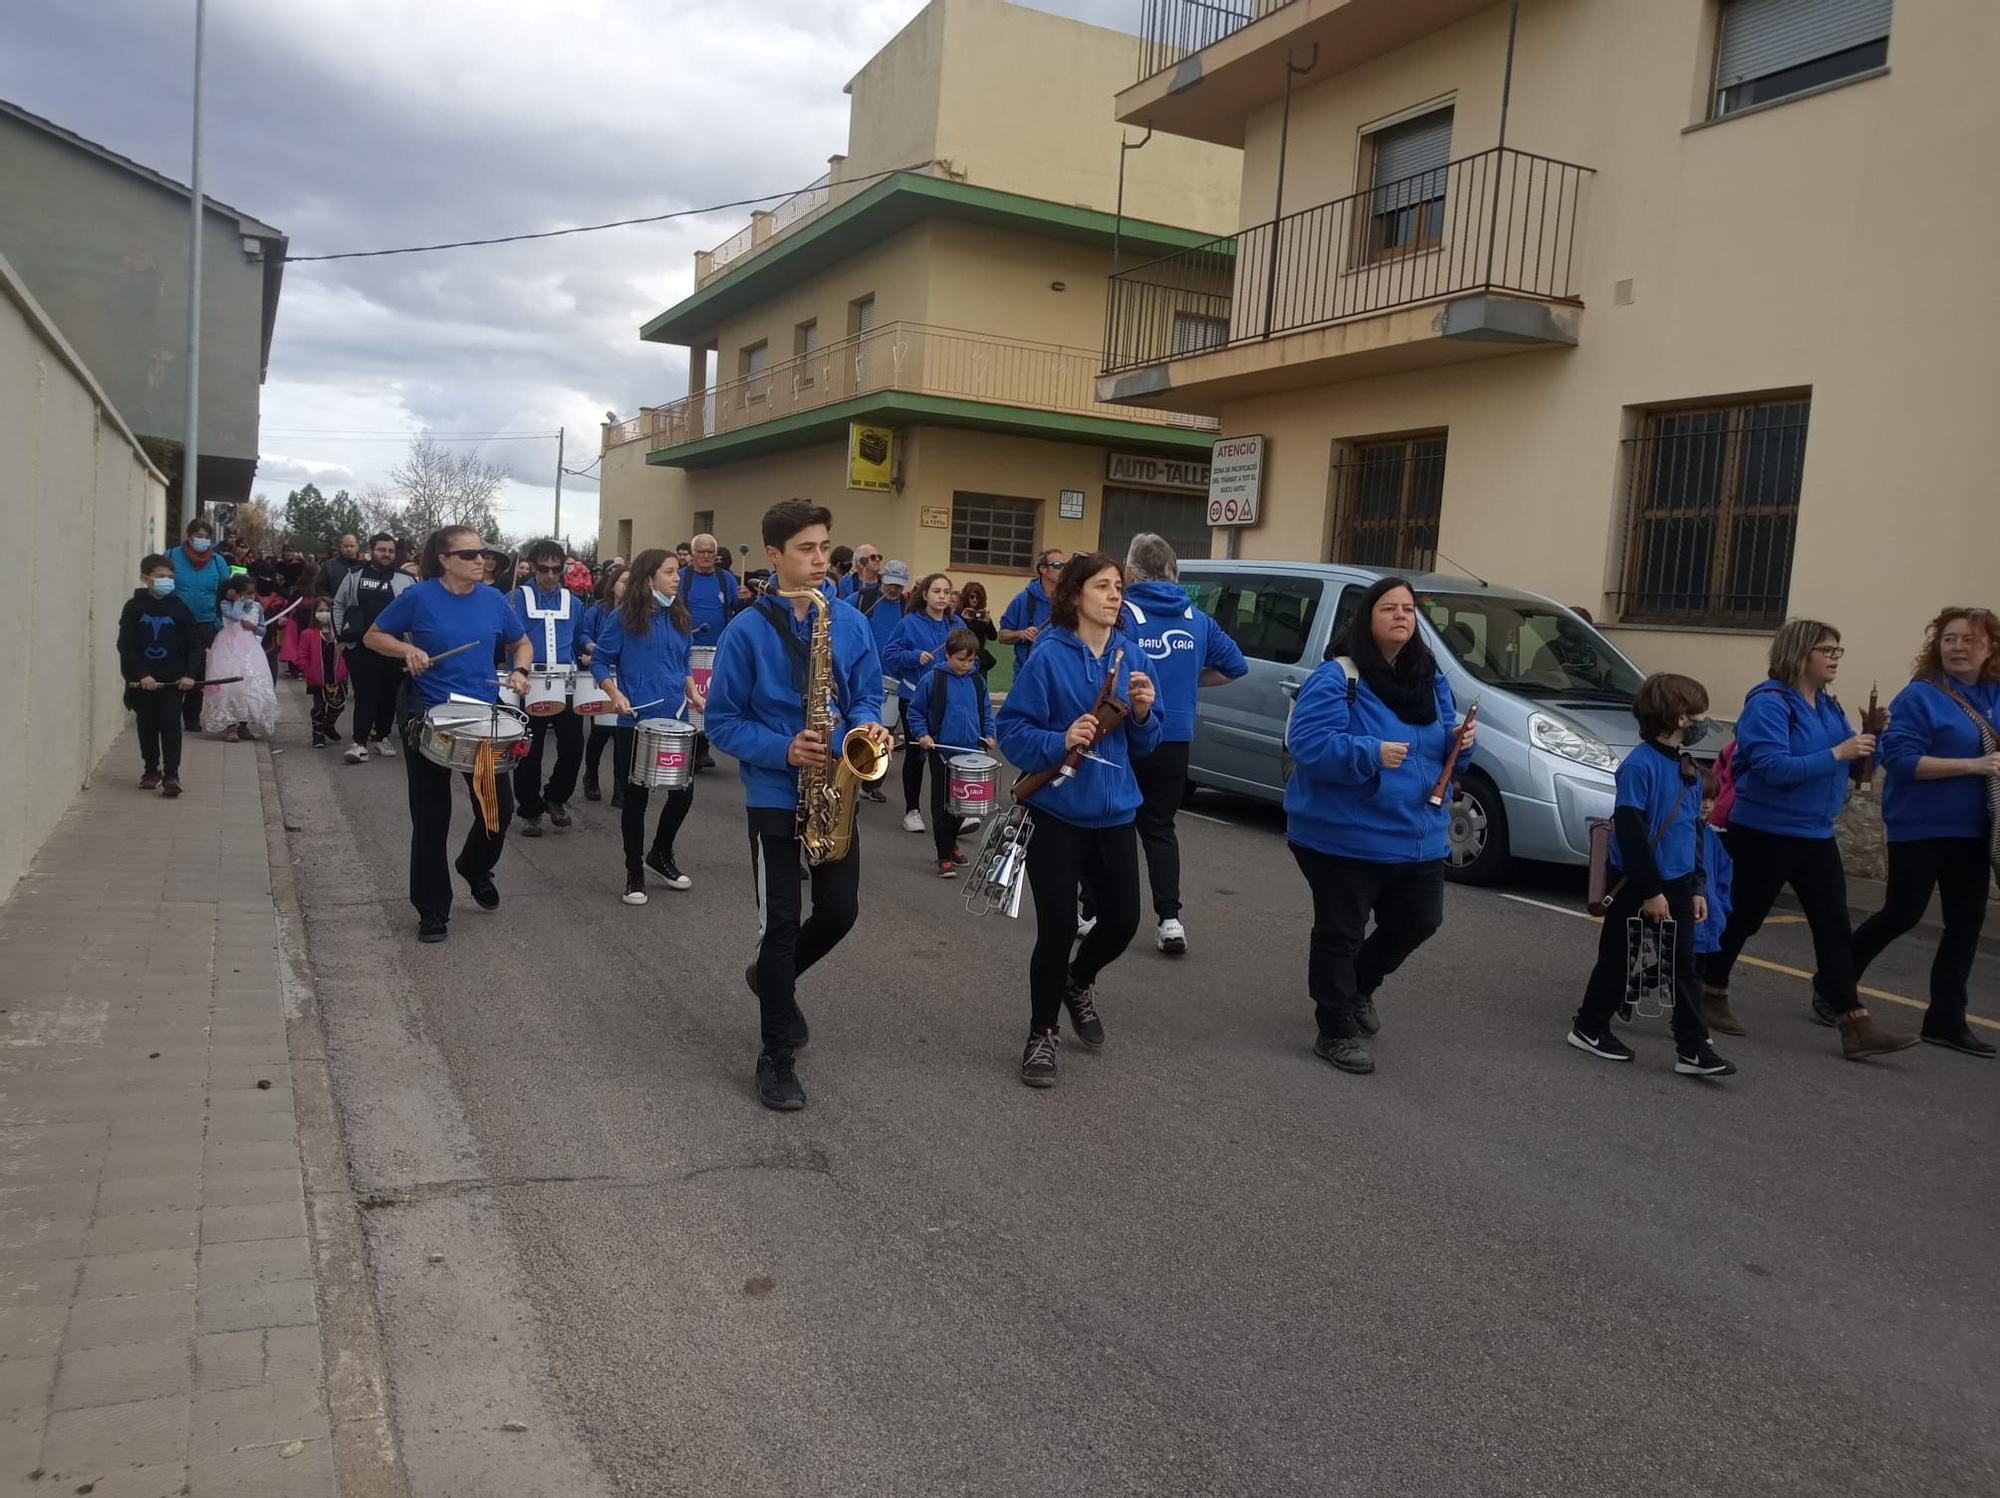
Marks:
<point>324,666</point>
<point>157,652</point>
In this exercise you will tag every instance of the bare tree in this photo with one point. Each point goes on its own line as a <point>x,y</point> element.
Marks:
<point>380,510</point>
<point>440,487</point>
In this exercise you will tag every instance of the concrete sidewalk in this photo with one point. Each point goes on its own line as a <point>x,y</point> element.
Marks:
<point>160,1331</point>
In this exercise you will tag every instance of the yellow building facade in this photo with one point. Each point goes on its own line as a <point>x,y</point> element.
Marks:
<point>1673,322</point>
<point>938,302</point>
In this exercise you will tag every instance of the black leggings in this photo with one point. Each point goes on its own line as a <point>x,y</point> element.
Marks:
<point>1957,868</point>
<point>1060,854</point>
<point>1765,863</point>
<point>944,823</point>
<point>1608,980</point>
<point>593,752</point>
<point>1348,962</point>
<point>674,807</point>
<point>913,774</point>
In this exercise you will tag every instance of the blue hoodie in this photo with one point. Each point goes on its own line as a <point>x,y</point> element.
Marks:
<point>538,629</point>
<point>1787,780</point>
<point>711,600</point>
<point>883,621</point>
<point>1057,686</point>
<point>918,633</point>
<point>651,668</point>
<point>1181,642</point>
<point>1720,874</point>
<point>1029,610</point>
<point>1923,720</point>
<point>756,701</point>
<point>968,709</point>
<point>197,582</point>
<point>1340,800</point>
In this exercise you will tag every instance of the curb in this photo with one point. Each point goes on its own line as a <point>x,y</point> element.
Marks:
<point>367,1461</point>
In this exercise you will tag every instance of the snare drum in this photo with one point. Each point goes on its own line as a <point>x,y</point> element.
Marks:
<point>701,666</point>
<point>591,700</point>
<point>972,782</point>
<point>663,754</point>
<point>548,689</point>
<point>892,705</point>
<point>453,731</point>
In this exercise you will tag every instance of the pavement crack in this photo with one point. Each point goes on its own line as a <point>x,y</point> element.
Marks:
<point>417,1191</point>
<point>808,1161</point>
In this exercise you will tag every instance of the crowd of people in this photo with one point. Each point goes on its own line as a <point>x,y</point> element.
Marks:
<point>1110,659</point>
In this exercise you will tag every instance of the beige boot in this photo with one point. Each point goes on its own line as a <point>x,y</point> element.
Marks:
<point>1861,1037</point>
<point>1715,1009</point>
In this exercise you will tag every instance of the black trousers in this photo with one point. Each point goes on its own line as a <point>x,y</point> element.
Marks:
<point>1606,988</point>
<point>1060,856</point>
<point>674,809</point>
<point>159,714</point>
<point>327,706</point>
<point>944,824</point>
<point>430,827</point>
<point>787,946</point>
<point>1958,869</point>
<point>1348,961</point>
<point>604,730</point>
<point>201,637</point>
<point>374,680</point>
<point>1765,863</point>
<point>529,794</point>
<point>1162,777</point>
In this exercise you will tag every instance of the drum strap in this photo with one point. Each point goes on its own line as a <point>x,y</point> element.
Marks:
<point>940,686</point>
<point>532,608</point>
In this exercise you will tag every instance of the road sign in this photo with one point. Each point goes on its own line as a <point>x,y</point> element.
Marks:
<point>1235,480</point>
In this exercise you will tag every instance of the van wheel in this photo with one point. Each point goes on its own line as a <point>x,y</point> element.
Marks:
<point>1476,842</point>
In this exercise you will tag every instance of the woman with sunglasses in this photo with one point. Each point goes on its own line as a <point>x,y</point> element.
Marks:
<point>451,607</point>
<point>1794,757</point>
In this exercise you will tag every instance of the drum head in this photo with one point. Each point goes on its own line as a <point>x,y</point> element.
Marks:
<point>973,764</point>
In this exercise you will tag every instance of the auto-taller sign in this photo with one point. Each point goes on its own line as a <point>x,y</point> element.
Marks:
<point>1235,480</point>
<point>1145,471</point>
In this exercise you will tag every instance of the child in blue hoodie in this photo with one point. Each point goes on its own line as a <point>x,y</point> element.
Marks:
<point>1082,820</point>
<point>1718,869</point>
<point>756,712</point>
<point>1369,736</point>
<point>951,713</point>
<point>1794,755</point>
<point>915,645</point>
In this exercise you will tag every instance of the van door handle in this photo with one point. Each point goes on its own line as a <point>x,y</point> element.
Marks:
<point>1290,687</point>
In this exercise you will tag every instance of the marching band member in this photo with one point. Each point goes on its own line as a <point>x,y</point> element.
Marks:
<point>552,618</point>
<point>1083,822</point>
<point>451,607</point>
<point>1367,749</point>
<point>950,707</point>
<point>756,712</point>
<point>916,643</point>
<point>1793,752</point>
<point>641,659</point>
<point>610,593</point>
<point>1028,614</point>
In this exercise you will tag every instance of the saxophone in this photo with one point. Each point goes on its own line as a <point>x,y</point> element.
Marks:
<point>827,792</point>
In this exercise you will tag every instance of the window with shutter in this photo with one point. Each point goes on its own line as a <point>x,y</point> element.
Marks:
<point>1772,49</point>
<point>756,372</point>
<point>1408,161</point>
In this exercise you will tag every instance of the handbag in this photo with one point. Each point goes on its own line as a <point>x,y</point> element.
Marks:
<point>1989,743</point>
<point>1599,891</point>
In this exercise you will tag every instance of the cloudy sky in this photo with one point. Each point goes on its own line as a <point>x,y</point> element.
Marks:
<point>360,124</point>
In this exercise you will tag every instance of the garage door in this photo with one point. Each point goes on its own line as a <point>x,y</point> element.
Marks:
<point>1181,518</point>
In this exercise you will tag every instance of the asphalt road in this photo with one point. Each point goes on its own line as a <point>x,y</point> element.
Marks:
<point>1205,1263</point>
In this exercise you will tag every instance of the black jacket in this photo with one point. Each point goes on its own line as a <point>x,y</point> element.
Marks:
<point>156,638</point>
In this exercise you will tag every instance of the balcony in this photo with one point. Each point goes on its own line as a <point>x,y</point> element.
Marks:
<point>904,373</point>
<point>1477,257</point>
<point>1206,65</point>
<point>764,226</point>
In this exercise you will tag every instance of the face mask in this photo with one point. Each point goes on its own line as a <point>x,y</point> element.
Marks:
<point>662,599</point>
<point>323,617</point>
<point>200,544</point>
<point>162,586</point>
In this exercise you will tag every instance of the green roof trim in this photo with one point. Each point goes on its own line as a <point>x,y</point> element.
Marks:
<point>898,408</point>
<point>889,207</point>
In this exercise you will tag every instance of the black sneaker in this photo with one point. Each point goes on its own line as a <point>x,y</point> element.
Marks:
<point>1823,1013</point>
<point>1083,1016</point>
<point>635,889</point>
<point>1964,1041</point>
<point>529,826</point>
<point>778,1085</point>
<point>663,864</point>
<point>484,892</point>
<point>432,928</point>
<point>873,793</point>
<point>1607,1045</point>
<point>1366,1020</point>
<point>1348,1055</point>
<point>558,814</point>
<point>591,791</point>
<point>1038,1061</point>
<point>150,781</point>
<point>1702,1062</point>
<point>319,741</point>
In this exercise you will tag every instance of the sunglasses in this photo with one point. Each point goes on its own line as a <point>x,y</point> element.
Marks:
<point>472,555</point>
<point>548,566</point>
<point>1054,566</point>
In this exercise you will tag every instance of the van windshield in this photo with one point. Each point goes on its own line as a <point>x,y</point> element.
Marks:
<point>1532,648</point>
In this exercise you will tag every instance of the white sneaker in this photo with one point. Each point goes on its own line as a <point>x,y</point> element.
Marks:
<point>913,821</point>
<point>356,754</point>
<point>967,826</point>
<point>384,749</point>
<point>1171,938</point>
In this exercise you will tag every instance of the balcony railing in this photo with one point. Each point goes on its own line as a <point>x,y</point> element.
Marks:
<point>1500,221</point>
<point>901,356</point>
<point>1173,30</point>
<point>764,226</point>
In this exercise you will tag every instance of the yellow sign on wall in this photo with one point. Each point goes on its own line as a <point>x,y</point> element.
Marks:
<point>871,457</point>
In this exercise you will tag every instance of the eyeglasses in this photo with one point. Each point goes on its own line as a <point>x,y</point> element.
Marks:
<point>548,566</point>
<point>1831,652</point>
<point>474,554</point>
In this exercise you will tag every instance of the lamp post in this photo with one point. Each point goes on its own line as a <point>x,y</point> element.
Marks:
<point>190,446</point>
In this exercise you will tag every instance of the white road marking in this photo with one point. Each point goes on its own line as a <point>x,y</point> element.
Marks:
<point>1204,817</point>
<point>1544,905</point>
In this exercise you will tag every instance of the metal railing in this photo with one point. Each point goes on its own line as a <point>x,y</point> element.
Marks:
<point>801,205</point>
<point>899,356</point>
<point>1171,31</point>
<point>1501,220</point>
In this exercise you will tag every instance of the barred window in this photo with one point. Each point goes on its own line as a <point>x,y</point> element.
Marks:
<point>992,532</point>
<point>1388,496</point>
<point>1712,513</point>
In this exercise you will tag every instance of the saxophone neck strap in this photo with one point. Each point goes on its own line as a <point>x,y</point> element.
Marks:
<point>778,614</point>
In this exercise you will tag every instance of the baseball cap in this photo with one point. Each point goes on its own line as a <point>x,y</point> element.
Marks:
<point>898,573</point>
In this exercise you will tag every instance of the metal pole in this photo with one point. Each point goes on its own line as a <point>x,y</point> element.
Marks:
<point>1500,147</point>
<point>1292,70</point>
<point>190,445</point>
<point>557,532</point>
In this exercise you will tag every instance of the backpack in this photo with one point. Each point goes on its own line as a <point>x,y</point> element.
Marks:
<point>1353,673</point>
<point>939,686</point>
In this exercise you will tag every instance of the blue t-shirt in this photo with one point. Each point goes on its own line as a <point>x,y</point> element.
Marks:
<point>1649,781</point>
<point>434,619</point>
<point>711,601</point>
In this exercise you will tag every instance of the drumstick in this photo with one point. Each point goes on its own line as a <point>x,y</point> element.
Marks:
<point>282,612</point>
<point>218,681</point>
<point>442,654</point>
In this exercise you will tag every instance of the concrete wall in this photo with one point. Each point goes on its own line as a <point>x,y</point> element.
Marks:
<point>77,496</point>
<point>105,252</point>
<point>1773,251</point>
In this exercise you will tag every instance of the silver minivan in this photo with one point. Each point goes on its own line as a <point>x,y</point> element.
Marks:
<point>1555,699</point>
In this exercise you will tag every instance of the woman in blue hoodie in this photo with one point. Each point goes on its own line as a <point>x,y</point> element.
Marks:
<point>1941,760</point>
<point>1368,738</point>
<point>603,727</point>
<point>1794,755</point>
<point>1083,821</point>
<point>916,646</point>
<point>199,573</point>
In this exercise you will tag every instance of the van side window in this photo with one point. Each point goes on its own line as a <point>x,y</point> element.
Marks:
<point>1269,618</point>
<point>1344,612</point>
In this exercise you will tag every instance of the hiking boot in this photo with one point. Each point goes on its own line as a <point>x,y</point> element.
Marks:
<point>357,754</point>
<point>1171,938</point>
<point>559,815</point>
<point>484,892</point>
<point>1038,1061</point>
<point>1348,1054</point>
<point>1823,1012</point>
<point>1960,1040</point>
<point>150,781</point>
<point>1605,1045</point>
<point>1083,1015</point>
<point>778,1085</point>
<point>1861,1037</point>
<point>1702,1062</point>
<point>1366,1020</point>
<point>635,889</point>
<point>591,790</point>
<point>1715,1010</point>
<point>530,826</point>
<point>662,863</point>
<point>170,787</point>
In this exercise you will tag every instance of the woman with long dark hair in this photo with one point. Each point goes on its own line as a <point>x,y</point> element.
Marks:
<point>1940,760</point>
<point>1084,821</point>
<point>1794,753</point>
<point>917,645</point>
<point>1369,736</point>
<point>610,592</point>
<point>974,610</point>
<point>641,659</point>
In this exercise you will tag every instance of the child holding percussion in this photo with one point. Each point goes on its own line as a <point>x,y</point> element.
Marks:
<point>951,713</point>
<point>159,655</point>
